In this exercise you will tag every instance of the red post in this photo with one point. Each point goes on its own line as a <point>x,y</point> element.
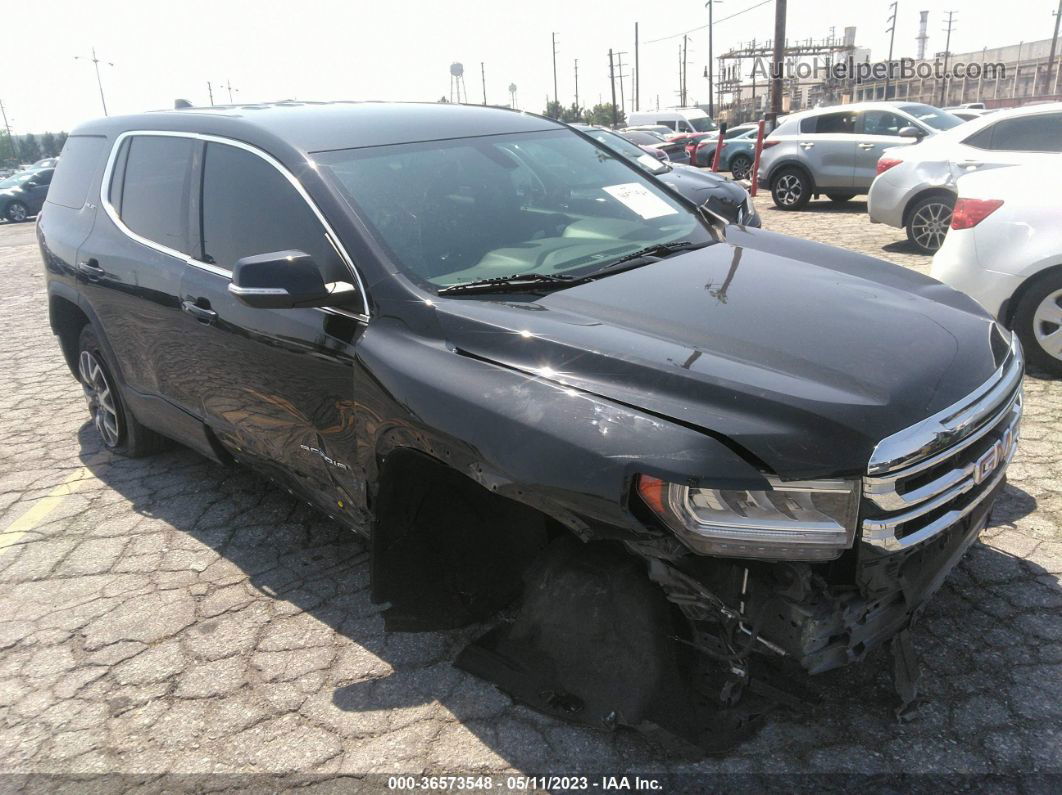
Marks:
<point>756,160</point>
<point>718,149</point>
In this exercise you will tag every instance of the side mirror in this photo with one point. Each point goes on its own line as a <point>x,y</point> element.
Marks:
<point>286,280</point>
<point>911,132</point>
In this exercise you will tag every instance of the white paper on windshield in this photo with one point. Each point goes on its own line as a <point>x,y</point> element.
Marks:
<point>649,161</point>
<point>639,199</point>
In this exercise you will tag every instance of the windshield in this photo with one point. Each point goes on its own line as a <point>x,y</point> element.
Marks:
<point>17,180</point>
<point>703,124</point>
<point>549,203</point>
<point>933,117</point>
<point>621,146</point>
<point>643,137</point>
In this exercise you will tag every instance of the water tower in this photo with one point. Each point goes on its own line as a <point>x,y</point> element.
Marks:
<point>457,83</point>
<point>512,95</point>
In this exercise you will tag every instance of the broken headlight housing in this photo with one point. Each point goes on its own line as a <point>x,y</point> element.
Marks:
<point>794,520</point>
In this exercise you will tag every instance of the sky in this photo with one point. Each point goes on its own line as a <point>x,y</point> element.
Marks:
<point>380,50</point>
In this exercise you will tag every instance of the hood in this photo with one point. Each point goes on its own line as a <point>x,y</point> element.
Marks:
<point>723,196</point>
<point>804,355</point>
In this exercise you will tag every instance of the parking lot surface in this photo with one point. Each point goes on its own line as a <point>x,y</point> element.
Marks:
<point>167,615</point>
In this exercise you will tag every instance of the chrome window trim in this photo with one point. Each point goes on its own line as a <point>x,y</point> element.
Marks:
<point>188,259</point>
<point>952,424</point>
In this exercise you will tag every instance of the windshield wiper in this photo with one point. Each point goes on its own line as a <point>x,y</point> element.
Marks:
<point>518,281</point>
<point>648,255</point>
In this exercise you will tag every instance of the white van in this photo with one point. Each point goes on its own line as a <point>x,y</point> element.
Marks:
<point>678,119</point>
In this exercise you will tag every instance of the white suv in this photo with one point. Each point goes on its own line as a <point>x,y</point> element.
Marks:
<point>835,151</point>
<point>1005,251</point>
<point>915,187</point>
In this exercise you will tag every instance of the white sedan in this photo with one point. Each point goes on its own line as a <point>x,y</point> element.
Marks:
<point>915,185</point>
<point>1005,250</point>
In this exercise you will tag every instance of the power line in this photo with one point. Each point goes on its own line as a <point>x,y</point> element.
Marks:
<point>703,27</point>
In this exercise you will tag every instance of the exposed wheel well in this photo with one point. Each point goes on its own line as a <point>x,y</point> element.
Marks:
<point>445,550</point>
<point>67,320</point>
<point>1014,301</point>
<point>923,195</point>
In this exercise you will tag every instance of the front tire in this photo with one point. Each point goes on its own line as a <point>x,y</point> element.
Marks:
<point>1038,323</point>
<point>791,189</point>
<point>118,429</point>
<point>928,222</point>
<point>16,212</point>
<point>740,167</point>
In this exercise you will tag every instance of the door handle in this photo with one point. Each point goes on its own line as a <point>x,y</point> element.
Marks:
<point>866,146</point>
<point>90,268</point>
<point>807,144</point>
<point>970,164</point>
<point>201,313</point>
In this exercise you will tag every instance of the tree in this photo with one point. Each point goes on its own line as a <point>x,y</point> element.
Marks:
<point>60,141</point>
<point>8,157</point>
<point>553,109</point>
<point>572,115</point>
<point>30,149</point>
<point>602,115</point>
<point>48,145</point>
<point>443,99</point>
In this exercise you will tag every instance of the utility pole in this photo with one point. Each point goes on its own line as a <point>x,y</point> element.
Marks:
<point>14,144</point>
<point>777,56</point>
<point>99,82</point>
<point>210,91</point>
<point>619,65</point>
<point>711,61</point>
<point>1054,49</point>
<point>612,80</point>
<point>685,41</point>
<point>483,75</point>
<point>576,83</point>
<point>892,37</point>
<point>554,67</point>
<point>230,89</point>
<point>947,54</point>
<point>638,71</point>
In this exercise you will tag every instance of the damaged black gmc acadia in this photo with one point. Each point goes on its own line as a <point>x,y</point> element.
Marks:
<point>684,459</point>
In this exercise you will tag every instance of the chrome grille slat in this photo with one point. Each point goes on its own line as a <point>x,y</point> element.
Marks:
<point>902,507</point>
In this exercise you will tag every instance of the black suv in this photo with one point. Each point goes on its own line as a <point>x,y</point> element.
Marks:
<point>697,455</point>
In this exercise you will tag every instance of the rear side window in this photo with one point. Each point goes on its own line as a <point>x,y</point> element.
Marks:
<point>250,208</point>
<point>829,123</point>
<point>155,189</point>
<point>1041,132</point>
<point>81,157</point>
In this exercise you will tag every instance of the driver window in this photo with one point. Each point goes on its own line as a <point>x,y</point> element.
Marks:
<point>883,122</point>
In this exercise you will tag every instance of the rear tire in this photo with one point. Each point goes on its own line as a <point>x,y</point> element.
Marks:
<point>1038,323</point>
<point>840,198</point>
<point>16,212</point>
<point>118,429</point>
<point>791,189</point>
<point>740,167</point>
<point>928,222</point>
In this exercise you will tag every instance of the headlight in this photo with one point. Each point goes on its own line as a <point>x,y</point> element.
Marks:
<point>795,520</point>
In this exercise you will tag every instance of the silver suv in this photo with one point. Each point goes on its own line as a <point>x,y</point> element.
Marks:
<point>834,151</point>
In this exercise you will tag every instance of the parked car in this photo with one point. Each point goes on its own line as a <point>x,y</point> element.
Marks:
<point>676,119</point>
<point>736,155</point>
<point>915,186</point>
<point>834,151</point>
<point>1005,250</point>
<point>659,129</point>
<point>506,355</point>
<point>22,196</point>
<point>719,195</point>
<point>967,114</point>
<point>674,150</point>
<point>47,162</point>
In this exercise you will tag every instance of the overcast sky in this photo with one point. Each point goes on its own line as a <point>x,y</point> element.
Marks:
<point>352,49</point>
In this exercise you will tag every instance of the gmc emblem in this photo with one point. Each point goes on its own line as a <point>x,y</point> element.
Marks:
<point>993,457</point>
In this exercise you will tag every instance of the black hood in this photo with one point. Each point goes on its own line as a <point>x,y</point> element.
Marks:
<point>804,355</point>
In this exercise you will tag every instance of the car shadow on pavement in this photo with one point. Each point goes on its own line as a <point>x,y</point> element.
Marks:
<point>852,207</point>
<point>993,612</point>
<point>903,247</point>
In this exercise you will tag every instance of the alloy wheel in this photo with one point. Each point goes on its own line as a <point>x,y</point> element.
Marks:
<point>740,168</point>
<point>1047,324</point>
<point>788,189</point>
<point>100,398</point>
<point>17,212</point>
<point>930,224</point>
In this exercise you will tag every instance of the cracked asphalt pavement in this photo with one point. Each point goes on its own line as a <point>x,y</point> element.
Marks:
<point>167,615</point>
